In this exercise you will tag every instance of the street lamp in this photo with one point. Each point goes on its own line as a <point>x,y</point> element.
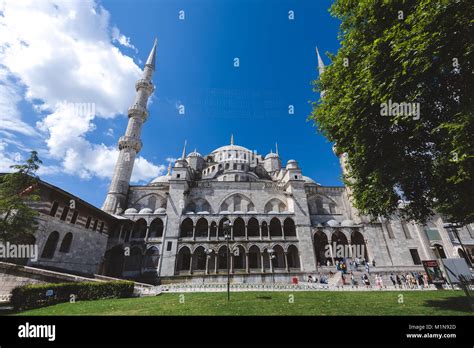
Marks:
<point>272,255</point>
<point>227,228</point>
<point>454,228</point>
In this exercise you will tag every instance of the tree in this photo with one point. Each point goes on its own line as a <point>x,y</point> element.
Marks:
<point>17,190</point>
<point>417,53</point>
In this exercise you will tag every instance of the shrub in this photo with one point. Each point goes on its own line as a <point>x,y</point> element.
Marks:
<point>33,296</point>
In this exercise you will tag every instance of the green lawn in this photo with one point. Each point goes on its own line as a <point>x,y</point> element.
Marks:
<point>273,303</point>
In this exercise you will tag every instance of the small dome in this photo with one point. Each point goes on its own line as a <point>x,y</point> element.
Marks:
<point>203,212</point>
<point>332,223</point>
<point>131,211</point>
<point>146,211</point>
<point>224,212</point>
<point>308,180</point>
<point>292,164</point>
<point>194,154</point>
<point>272,155</point>
<point>160,211</point>
<point>161,179</point>
<point>347,223</point>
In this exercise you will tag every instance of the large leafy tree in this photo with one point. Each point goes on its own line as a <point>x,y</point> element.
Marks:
<point>411,51</point>
<point>17,190</point>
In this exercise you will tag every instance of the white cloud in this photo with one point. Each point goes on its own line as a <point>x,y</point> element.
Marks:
<point>62,52</point>
<point>122,39</point>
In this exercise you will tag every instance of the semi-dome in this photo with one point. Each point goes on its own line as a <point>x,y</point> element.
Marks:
<point>131,211</point>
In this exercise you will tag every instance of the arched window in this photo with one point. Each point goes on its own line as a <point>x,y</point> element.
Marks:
<point>239,228</point>
<point>50,245</point>
<point>255,261</point>
<point>139,229</point>
<point>293,257</point>
<point>221,227</point>
<point>201,228</point>
<point>278,258</point>
<point>66,243</point>
<point>264,229</point>
<point>321,247</point>
<point>156,228</point>
<point>275,227</point>
<point>184,259</point>
<point>199,259</point>
<point>253,228</point>
<point>289,228</point>
<point>186,228</point>
<point>152,256</point>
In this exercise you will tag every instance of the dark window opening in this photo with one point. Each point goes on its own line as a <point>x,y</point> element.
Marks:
<point>64,213</point>
<point>168,246</point>
<point>88,223</point>
<point>74,217</point>
<point>54,209</point>
<point>415,256</point>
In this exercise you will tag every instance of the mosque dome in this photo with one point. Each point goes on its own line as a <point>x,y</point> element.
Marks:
<point>332,223</point>
<point>194,154</point>
<point>161,179</point>
<point>272,155</point>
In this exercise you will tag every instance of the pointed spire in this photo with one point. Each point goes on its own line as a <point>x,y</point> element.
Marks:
<point>276,148</point>
<point>183,156</point>
<point>151,58</point>
<point>232,139</point>
<point>320,62</point>
<point>169,169</point>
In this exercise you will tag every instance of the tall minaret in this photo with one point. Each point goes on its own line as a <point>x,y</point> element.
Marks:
<point>321,67</point>
<point>130,144</point>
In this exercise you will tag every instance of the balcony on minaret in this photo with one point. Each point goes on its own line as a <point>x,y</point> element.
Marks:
<point>127,142</point>
<point>144,84</point>
<point>137,110</point>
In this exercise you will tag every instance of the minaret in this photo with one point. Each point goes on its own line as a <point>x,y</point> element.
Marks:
<point>130,144</point>
<point>321,67</point>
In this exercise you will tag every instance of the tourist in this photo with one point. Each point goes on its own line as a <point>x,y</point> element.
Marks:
<point>373,262</point>
<point>310,279</point>
<point>377,282</point>
<point>399,281</point>
<point>353,281</point>
<point>367,268</point>
<point>328,263</point>
<point>392,279</point>
<point>425,279</point>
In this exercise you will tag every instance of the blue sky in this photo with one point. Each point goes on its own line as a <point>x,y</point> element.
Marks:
<point>194,68</point>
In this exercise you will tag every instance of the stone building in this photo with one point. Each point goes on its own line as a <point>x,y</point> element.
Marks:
<point>283,223</point>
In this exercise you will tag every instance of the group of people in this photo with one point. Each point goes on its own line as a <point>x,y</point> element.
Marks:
<point>411,280</point>
<point>323,279</point>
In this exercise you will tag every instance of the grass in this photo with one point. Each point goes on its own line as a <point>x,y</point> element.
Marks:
<point>273,303</point>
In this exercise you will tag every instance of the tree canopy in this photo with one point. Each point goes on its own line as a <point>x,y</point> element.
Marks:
<point>411,53</point>
<point>17,189</point>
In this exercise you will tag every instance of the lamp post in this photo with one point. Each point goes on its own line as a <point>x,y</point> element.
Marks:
<point>227,235</point>
<point>454,228</point>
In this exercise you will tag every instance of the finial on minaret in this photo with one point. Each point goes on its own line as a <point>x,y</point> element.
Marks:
<point>151,58</point>
<point>183,156</point>
<point>169,169</point>
<point>276,148</point>
<point>320,62</point>
<point>232,139</point>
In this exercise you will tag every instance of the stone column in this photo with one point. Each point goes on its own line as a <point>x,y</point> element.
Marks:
<point>208,232</point>
<point>207,263</point>
<point>246,232</point>
<point>216,259</point>
<point>191,264</point>
<point>260,230</point>
<point>194,232</point>
<point>231,255</point>
<point>247,268</point>
<point>286,261</point>
<point>262,264</point>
